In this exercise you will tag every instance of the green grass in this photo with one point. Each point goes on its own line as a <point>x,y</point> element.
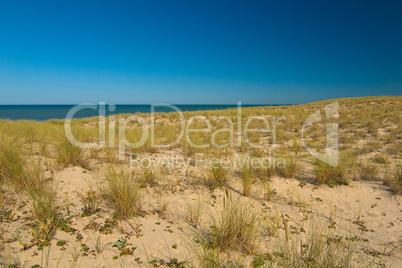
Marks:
<point>90,202</point>
<point>248,178</point>
<point>291,168</point>
<point>12,164</point>
<point>338,175</point>
<point>124,195</point>
<point>67,153</point>
<point>235,228</point>
<point>321,249</point>
<point>217,176</point>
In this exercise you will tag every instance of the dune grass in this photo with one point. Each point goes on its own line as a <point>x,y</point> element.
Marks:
<point>195,212</point>
<point>12,164</point>
<point>338,175</point>
<point>322,248</point>
<point>235,227</point>
<point>394,181</point>
<point>217,176</point>
<point>248,177</point>
<point>67,153</point>
<point>123,193</point>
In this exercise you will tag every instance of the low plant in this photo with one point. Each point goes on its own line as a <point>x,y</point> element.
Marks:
<point>291,167</point>
<point>90,203</point>
<point>335,175</point>
<point>195,212</point>
<point>368,172</point>
<point>124,247</point>
<point>123,194</point>
<point>248,178</point>
<point>43,232</point>
<point>148,178</point>
<point>67,153</point>
<point>235,228</point>
<point>296,147</point>
<point>395,181</point>
<point>217,176</point>
<point>380,159</point>
<point>12,164</point>
<point>321,250</point>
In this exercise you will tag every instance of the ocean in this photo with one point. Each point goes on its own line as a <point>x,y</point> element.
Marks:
<point>47,112</point>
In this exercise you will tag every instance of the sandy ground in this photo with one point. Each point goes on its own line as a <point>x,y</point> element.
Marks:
<point>367,211</point>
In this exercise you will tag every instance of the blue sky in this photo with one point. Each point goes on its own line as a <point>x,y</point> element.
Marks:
<point>211,52</point>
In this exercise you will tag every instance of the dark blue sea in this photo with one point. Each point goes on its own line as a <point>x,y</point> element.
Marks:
<point>47,112</point>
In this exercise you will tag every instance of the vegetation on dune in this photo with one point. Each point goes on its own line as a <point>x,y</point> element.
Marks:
<point>234,211</point>
<point>123,193</point>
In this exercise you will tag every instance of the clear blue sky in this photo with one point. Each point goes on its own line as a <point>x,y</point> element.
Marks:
<point>184,52</point>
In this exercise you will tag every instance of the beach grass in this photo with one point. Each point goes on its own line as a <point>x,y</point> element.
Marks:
<point>237,216</point>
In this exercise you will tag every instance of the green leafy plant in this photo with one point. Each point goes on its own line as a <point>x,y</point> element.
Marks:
<point>90,202</point>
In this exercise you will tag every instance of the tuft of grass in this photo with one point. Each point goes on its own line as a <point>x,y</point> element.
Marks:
<point>45,207</point>
<point>327,174</point>
<point>320,250</point>
<point>12,164</point>
<point>28,177</point>
<point>330,175</point>
<point>248,178</point>
<point>90,202</point>
<point>44,204</point>
<point>123,193</point>
<point>217,176</point>
<point>368,172</point>
<point>291,167</point>
<point>380,159</point>
<point>99,246</point>
<point>163,203</point>
<point>195,212</point>
<point>269,192</point>
<point>236,228</point>
<point>148,178</point>
<point>395,182</point>
<point>67,153</point>
<point>296,147</point>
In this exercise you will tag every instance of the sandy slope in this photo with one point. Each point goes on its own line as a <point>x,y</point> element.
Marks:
<point>168,236</point>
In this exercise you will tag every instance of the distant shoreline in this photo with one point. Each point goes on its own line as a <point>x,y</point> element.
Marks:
<point>39,112</point>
